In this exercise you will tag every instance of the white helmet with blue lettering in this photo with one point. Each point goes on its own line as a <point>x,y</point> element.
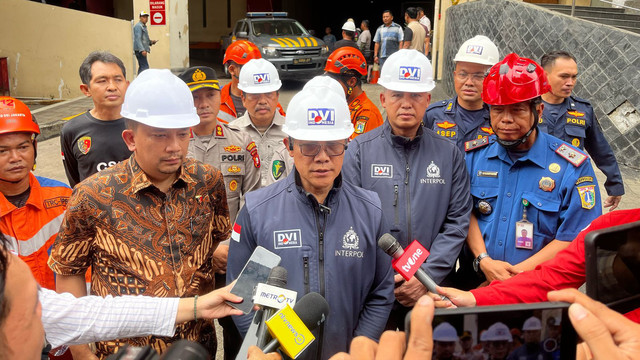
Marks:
<point>407,70</point>
<point>259,76</point>
<point>318,113</point>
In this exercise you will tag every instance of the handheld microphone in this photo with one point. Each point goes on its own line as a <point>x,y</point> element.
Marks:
<point>392,247</point>
<point>312,310</point>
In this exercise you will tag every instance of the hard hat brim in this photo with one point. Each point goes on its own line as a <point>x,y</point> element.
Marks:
<point>318,135</point>
<point>413,88</point>
<point>261,89</point>
<point>165,121</point>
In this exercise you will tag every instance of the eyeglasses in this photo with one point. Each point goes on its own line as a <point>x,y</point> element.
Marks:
<point>475,77</point>
<point>331,148</point>
<point>254,97</point>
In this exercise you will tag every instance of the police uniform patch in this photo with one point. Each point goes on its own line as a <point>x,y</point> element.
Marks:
<point>587,196</point>
<point>253,150</point>
<point>232,158</point>
<point>360,126</point>
<point>570,154</point>
<point>554,168</point>
<point>575,113</point>
<point>584,179</point>
<point>487,129</point>
<point>445,125</point>
<point>547,184</point>
<point>277,169</point>
<point>84,144</point>
<point>233,185</point>
<point>234,169</point>
<point>476,144</point>
<point>232,148</point>
<point>575,142</point>
<point>219,131</point>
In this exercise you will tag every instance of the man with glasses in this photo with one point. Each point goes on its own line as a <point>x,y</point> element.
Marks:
<point>465,117</point>
<point>324,229</point>
<point>420,177</point>
<point>259,84</point>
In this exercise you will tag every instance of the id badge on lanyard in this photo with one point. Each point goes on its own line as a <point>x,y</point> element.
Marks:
<point>524,230</point>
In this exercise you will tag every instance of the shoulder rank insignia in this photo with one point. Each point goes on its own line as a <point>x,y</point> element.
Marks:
<point>572,155</point>
<point>476,144</point>
<point>450,105</point>
<point>219,132</point>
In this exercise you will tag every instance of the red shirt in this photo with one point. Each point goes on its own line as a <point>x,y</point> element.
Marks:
<point>565,270</point>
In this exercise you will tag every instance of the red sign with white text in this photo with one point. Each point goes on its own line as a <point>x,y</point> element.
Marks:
<point>414,255</point>
<point>158,12</point>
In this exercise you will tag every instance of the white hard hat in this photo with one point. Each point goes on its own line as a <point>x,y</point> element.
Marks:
<point>498,332</point>
<point>532,323</point>
<point>317,113</point>
<point>445,332</point>
<point>349,26</point>
<point>259,76</point>
<point>407,70</point>
<point>160,99</point>
<point>478,50</point>
<point>325,81</point>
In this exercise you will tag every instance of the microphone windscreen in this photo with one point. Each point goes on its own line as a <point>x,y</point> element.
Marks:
<point>186,350</point>
<point>312,309</point>
<point>278,277</point>
<point>388,243</point>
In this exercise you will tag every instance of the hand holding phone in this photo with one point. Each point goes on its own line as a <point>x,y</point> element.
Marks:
<point>255,271</point>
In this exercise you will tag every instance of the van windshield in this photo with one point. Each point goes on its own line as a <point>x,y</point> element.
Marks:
<point>274,27</point>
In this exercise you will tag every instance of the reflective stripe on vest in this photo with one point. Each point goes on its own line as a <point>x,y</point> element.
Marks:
<point>30,246</point>
<point>225,117</point>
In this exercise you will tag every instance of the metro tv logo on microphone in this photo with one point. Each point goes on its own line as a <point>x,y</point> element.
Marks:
<point>414,255</point>
<point>410,73</point>
<point>321,116</point>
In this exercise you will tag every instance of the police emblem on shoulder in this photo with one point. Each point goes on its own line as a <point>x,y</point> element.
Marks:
<point>277,169</point>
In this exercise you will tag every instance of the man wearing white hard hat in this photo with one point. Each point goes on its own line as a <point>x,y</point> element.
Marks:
<point>444,341</point>
<point>260,85</point>
<point>465,117</point>
<point>324,229</point>
<point>532,348</point>
<point>420,177</point>
<point>148,225</point>
<point>498,338</point>
<point>348,35</point>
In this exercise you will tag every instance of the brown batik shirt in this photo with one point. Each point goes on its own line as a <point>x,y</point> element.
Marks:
<point>139,240</point>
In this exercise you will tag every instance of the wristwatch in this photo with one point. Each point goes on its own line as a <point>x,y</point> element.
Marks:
<point>476,261</point>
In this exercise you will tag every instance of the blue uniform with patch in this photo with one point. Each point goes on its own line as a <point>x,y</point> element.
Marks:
<point>423,186</point>
<point>576,124</point>
<point>559,185</point>
<point>444,117</point>
<point>333,252</point>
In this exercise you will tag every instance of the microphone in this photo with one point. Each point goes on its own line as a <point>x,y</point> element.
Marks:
<point>312,310</point>
<point>277,278</point>
<point>392,247</point>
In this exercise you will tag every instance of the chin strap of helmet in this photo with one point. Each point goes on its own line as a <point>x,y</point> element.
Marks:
<point>512,144</point>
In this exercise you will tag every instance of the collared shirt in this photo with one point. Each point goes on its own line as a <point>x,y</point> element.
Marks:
<point>563,198</point>
<point>365,116</point>
<point>69,320</point>
<point>32,228</point>
<point>267,143</point>
<point>236,156</point>
<point>389,38</point>
<point>142,241</point>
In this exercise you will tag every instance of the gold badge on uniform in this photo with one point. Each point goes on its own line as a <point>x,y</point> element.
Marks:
<point>233,185</point>
<point>547,184</point>
<point>575,142</point>
<point>554,168</point>
<point>484,207</point>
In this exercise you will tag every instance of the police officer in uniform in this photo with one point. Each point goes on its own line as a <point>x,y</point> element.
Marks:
<point>527,179</point>
<point>572,119</point>
<point>466,116</point>
<point>234,153</point>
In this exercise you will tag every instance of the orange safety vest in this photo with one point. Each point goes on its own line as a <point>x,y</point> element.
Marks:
<point>365,116</point>
<point>227,111</point>
<point>32,229</point>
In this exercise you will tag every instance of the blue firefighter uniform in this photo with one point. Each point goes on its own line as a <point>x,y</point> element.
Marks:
<point>451,121</point>
<point>557,182</point>
<point>328,248</point>
<point>575,122</point>
<point>423,186</point>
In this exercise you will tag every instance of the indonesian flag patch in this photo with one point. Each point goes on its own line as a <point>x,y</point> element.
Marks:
<point>235,235</point>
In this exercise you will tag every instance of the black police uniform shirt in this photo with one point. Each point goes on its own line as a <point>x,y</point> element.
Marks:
<point>90,145</point>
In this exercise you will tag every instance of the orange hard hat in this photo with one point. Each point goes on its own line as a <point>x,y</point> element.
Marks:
<point>346,58</point>
<point>15,116</point>
<point>241,52</point>
<point>514,79</point>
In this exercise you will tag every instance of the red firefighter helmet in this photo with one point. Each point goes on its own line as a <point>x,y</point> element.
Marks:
<point>15,116</point>
<point>241,52</point>
<point>346,58</point>
<point>514,79</point>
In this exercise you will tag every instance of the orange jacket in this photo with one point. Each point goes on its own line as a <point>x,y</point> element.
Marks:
<point>227,111</point>
<point>365,116</point>
<point>32,228</point>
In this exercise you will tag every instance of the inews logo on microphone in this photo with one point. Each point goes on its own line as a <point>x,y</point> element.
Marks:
<point>290,331</point>
<point>414,255</point>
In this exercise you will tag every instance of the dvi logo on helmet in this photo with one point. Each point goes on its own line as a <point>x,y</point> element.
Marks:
<point>259,79</point>
<point>410,73</point>
<point>474,49</point>
<point>321,116</point>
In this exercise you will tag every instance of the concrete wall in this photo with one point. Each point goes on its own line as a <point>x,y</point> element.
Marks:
<point>45,46</point>
<point>216,14</point>
<point>608,59</point>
